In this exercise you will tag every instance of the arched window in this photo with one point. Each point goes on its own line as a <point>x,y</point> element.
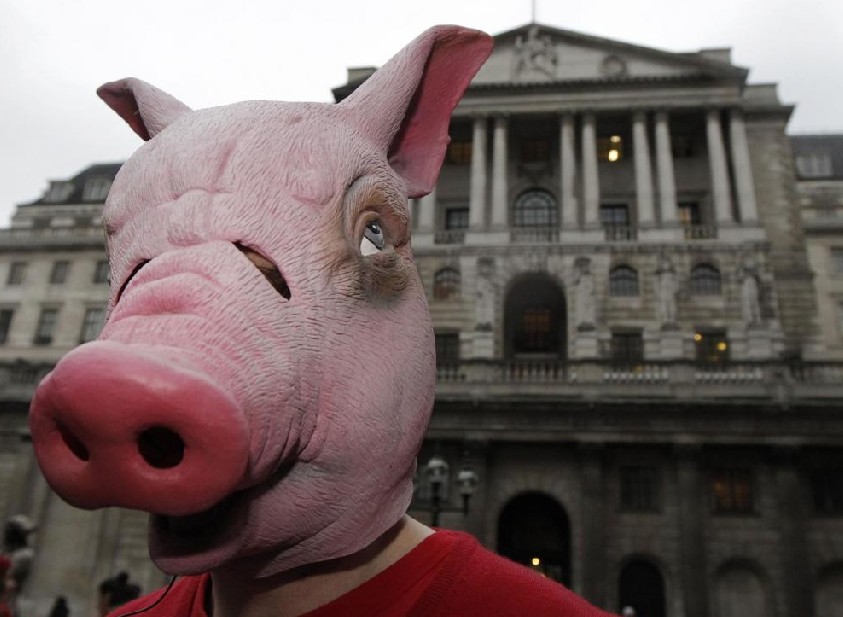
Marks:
<point>741,593</point>
<point>623,282</point>
<point>535,208</point>
<point>446,283</point>
<point>705,280</point>
<point>641,587</point>
<point>534,317</point>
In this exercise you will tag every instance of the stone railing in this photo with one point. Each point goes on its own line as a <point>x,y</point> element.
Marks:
<point>52,236</point>
<point>620,233</point>
<point>449,236</point>
<point>700,232</point>
<point>530,235</point>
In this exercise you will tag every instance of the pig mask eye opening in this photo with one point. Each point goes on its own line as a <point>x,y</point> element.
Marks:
<point>129,279</point>
<point>267,268</point>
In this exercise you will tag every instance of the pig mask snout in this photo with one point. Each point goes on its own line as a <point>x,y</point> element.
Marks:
<point>149,436</point>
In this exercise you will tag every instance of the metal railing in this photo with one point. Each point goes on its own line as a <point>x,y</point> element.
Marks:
<point>620,233</point>
<point>449,236</point>
<point>700,232</point>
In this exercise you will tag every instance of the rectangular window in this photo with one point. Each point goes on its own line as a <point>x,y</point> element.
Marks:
<point>731,491</point>
<point>615,221</point>
<point>101,272</point>
<point>447,348</point>
<point>92,324</point>
<point>535,151</point>
<point>610,148</point>
<point>5,324</point>
<point>814,164</point>
<point>827,490</point>
<point>639,489</point>
<point>96,189</point>
<point>712,347</point>
<point>837,261</point>
<point>17,272</point>
<point>456,218</point>
<point>535,334</point>
<point>459,152</point>
<point>627,348</point>
<point>46,329</point>
<point>688,213</point>
<point>58,275</point>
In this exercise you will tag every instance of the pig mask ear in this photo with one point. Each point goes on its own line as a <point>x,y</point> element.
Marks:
<point>144,107</point>
<point>405,107</point>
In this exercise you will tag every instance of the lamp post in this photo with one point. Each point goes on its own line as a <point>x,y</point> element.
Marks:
<point>437,471</point>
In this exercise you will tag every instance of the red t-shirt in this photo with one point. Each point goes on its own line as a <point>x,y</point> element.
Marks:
<point>447,575</point>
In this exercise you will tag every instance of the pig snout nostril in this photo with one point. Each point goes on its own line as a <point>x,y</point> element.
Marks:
<point>74,444</point>
<point>160,447</point>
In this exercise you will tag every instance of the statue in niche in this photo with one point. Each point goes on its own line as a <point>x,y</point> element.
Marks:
<point>667,288</point>
<point>536,57</point>
<point>750,293</point>
<point>484,301</point>
<point>585,306</point>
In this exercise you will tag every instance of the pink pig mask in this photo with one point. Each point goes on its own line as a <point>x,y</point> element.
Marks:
<point>267,417</point>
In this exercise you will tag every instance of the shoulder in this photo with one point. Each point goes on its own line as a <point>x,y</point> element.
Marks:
<point>184,598</point>
<point>488,584</point>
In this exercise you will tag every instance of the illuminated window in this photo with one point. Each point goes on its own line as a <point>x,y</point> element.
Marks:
<point>459,152</point>
<point>731,491</point>
<point>446,283</point>
<point>535,208</point>
<point>535,151</point>
<point>688,214</point>
<point>705,280</point>
<point>711,346</point>
<point>639,489</point>
<point>623,282</point>
<point>610,148</point>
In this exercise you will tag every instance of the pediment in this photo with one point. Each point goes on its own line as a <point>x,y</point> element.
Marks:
<point>542,54</point>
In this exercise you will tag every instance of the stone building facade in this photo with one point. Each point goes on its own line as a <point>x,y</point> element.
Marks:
<point>634,358</point>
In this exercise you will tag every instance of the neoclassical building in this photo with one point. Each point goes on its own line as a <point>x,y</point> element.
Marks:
<point>634,354</point>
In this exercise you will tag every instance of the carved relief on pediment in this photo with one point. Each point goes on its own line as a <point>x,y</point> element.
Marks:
<point>536,57</point>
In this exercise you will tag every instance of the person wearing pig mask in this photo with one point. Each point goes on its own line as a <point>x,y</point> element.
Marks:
<point>266,373</point>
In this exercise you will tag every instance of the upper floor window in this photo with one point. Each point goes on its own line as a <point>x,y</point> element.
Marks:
<point>459,152</point>
<point>688,213</point>
<point>96,189</point>
<point>447,348</point>
<point>712,346</point>
<point>535,151</point>
<point>101,272</point>
<point>827,491</point>
<point>814,164</point>
<point>615,221</point>
<point>92,324</point>
<point>446,283</point>
<point>837,260</point>
<point>731,491</point>
<point>610,148</point>
<point>623,282</point>
<point>58,275</point>
<point>639,489</point>
<point>6,316</point>
<point>536,332</point>
<point>17,272</point>
<point>59,191</point>
<point>46,328</point>
<point>456,218</point>
<point>535,208</point>
<point>627,347</point>
<point>705,280</point>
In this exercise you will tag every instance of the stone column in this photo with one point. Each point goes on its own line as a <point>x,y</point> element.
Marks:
<point>568,214</point>
<point>594,532</point>
<point>499,168</point>
<point>744,182</point>
<point>664,163</point>
<point>591,182</point>
<point>477,190</point>
<point>793,541</point>
<point>692,560</point>
<point>643,169</point>
<point>427,213</point>
<point>719,172</point>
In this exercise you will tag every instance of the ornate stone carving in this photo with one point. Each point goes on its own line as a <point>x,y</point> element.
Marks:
<point>585,304</point>
<point>484,301</point>
<point>750,293</point>
<point>536,56</point>
<point>667,287</point>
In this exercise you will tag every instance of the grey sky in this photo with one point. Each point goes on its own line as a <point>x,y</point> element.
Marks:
<point>54,53</point>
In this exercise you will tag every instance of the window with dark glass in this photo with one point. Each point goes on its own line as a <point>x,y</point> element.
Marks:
<point>46,327</point>
<point>17,272</point>
<point>92,324</point>
<point>456,218</point>
<point>535,208</point>
<point>639,489</point>
<point>732,491</point>
<point>5,324</point>
<point>623,282</point>
<point>827,491</point>
<point>627,347</point>
<point>535,151</point>
<point>96,189</point>
<point>101,272</point>
<point>705,280</point>
<point>535,333</point>
<point>682,145</point>
<point>459,152</point>
<point>446,283</point>
<point>712,347</point>
<point>58,275</point>
<point>447,348</point>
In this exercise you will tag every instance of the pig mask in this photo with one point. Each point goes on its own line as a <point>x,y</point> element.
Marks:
<point>266,372</point>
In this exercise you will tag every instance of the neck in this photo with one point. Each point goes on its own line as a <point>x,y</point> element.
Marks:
<point>299,591</point>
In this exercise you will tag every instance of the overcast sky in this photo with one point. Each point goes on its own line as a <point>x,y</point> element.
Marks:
<point>54,53</point>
